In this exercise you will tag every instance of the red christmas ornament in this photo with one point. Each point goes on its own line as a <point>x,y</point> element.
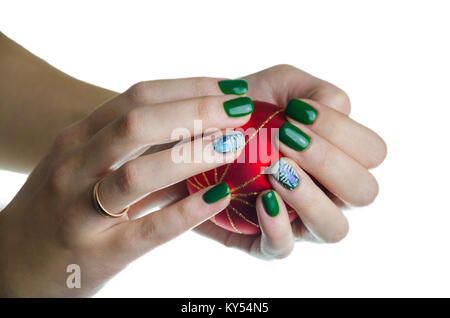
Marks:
<point>245,175</point>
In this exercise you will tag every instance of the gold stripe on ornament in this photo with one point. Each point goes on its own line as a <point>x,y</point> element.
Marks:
<point>247,182</point>
<point>234,195</point>
<point>193,184</point>
<point>253,135</point>
<point>243,216</point>
<point>245,202</point>
<point>199,183</point>
<point>206,179</point>
<point>248,140</point>
<point>231,221</point>
<point>224,172</point>
<point>262,125</point>
<point>215,176</point>
<point>242,185</point>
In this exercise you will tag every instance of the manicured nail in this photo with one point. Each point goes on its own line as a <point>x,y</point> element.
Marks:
<point>235,87</point>
<point>301,111</point>
<point>231,141</point>
<point>293,137</point>
<point>285,174</point>
<point>238,107</point>
<point>270,203</point>
<point>216,193</point>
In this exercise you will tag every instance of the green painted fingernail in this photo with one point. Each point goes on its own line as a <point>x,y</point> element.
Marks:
<point>293,137</point>
<point>270,203</point>
<point>238,107</point>
<point>301,111</point>
<point>216,193</point>
<point>236,87</point>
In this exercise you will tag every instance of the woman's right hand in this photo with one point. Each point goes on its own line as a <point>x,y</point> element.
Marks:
<point>52,222</point>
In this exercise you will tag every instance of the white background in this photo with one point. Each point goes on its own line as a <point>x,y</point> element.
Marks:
<point>392,58</point>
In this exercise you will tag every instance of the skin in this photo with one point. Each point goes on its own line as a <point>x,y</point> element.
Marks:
<point>72,134</point>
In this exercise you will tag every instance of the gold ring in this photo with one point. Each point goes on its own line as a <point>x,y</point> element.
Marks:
<point>99,207</point>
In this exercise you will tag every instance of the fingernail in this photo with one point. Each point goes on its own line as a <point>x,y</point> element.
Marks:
<point>216,193</point>
<point>301,111</point>
<point>270,203</point>
<point>293,137</point>
<point>285,174</point>
<point>231,141</point>
<point>235,87</point>
<point>238,107</point>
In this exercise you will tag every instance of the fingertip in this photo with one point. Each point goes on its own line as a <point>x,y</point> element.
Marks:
<point>277,240</point>
<point>367,193</point>
<point>269,203</point>
<point>379,153</point>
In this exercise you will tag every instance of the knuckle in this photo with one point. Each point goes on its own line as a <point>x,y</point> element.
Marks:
<point>184,222</point>
<point>204,111</point>
<point>203,86</point>
<point>60,174</point>
<point>342,101</point>
<point>284,68</point>
<point>141,232</point>
<point>60,139</point>
<point>147,231</point>
<point>137,93</point>
<point>65,138</point>
<point>325,160</point>
<point>332,96</point>
<point>130,125</point>
<point>128,178</point>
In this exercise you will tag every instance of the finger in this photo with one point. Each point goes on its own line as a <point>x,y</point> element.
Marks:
<point>356,140</point>
<point>318,213</point>
<point>334,169</point>
<point>161,123</point>
<point>139,177</point>
<point>158,200</point>
<point>280,83</point>
<point>162,91</point>
<point>277,240</point>
<point>134,238</point>
<point>302,233</point>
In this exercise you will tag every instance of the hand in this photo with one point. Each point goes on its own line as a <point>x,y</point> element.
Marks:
<point>332,170</point>
<point>52,222</point>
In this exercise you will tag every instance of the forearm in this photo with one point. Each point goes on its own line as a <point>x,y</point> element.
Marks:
<point>37,101</point>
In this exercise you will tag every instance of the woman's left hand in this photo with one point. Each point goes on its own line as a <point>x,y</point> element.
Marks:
<point>76,210</point>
